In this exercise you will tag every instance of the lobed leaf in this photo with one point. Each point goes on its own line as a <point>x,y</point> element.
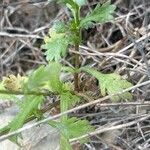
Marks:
<point>28,106</point>
<point>111,84</point>
<point>54,77</point>
<point>37,79</point>
<point>45,77</point>
<point>56,45</point>
<point>59,27</point>
<point>100,14</point>
<point>74,127</point>
<point>69,99</point>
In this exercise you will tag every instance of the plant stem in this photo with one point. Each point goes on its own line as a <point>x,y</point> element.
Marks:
<point>76,75</point>
<point>76,59</point>
<point>38,93</point>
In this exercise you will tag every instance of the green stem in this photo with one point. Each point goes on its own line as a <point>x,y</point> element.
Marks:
<point>27,93</point>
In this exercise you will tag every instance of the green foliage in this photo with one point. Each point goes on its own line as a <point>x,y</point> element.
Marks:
<point>37,79</point>
<point>58,40</point>
<point>66,101</point>
<point>56,45</point>
<point>29,105</point>
<point>111,84</point>
<point>61,35</point>
<point>45,77</point>
<point>69,99</point>
<point>70,127</point>
<point>74,127</point>
<point>54,77</point>
<point>100,14</point>
<point>59,27</point>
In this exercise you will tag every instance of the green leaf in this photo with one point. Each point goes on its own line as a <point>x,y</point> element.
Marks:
<point>69,99</point>
<point>29,105</point>
<point>37,79</point>
<point>64,142</point>
<point>74,127</point>
<point>100,14</point>
<point>59,27</point>
<point>45,77</point>
<point>56,45</point>
<point>54,77</point>
<point>111,84</point>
